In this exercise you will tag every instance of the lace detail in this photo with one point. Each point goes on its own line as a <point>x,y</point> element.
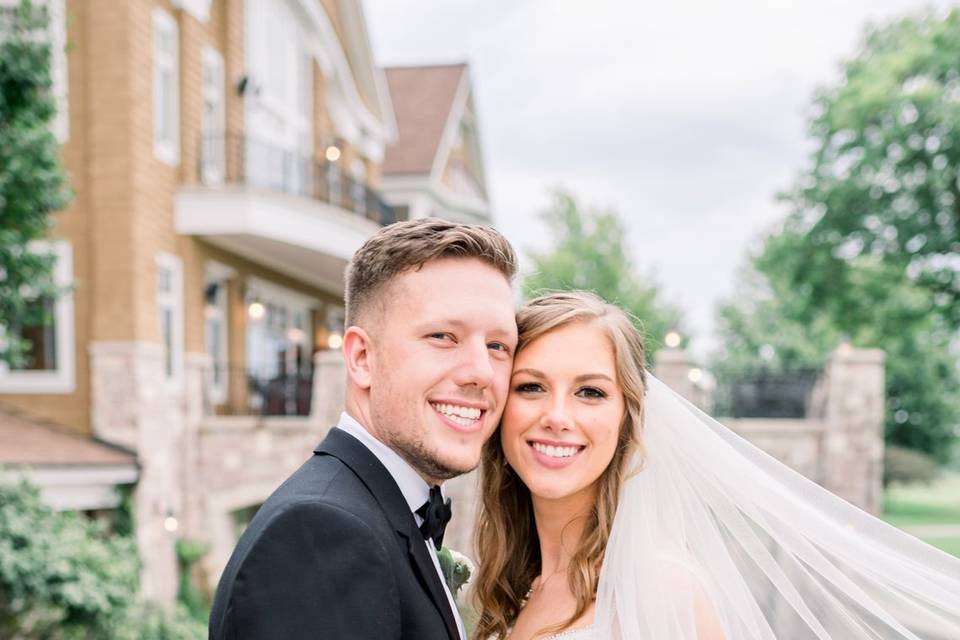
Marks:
<point>583,633</point>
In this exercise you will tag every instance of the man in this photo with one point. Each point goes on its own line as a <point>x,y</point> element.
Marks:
<point>346,547</point>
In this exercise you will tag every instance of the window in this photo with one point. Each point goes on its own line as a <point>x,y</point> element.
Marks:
<point>170,314</point>
<point>359,190</point>
<point>50,361</point>
<point>279,349</point>
<point>212,128</point>
<point>216,324</point>
<point>166,88</point>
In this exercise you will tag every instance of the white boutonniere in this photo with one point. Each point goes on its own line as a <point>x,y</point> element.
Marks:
<point>457,569</point>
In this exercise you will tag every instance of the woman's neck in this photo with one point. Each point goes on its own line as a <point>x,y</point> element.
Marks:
<point>559,526</point>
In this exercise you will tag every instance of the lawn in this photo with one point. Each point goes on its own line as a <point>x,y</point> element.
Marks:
<point>922,505</point>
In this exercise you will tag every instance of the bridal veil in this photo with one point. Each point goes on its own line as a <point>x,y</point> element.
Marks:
<point>712,531</point>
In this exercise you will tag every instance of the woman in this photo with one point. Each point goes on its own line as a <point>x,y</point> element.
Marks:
<point>614,509</point>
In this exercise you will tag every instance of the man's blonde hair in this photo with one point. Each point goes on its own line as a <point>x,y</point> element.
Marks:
<point>402,246</point>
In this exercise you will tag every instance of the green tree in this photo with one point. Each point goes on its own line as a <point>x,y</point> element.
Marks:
<point>589,253</point>
<point>63,577</point>
<point>773,326</point>
<point>883,179</point>
<point>32,182</point>
<point>871,249</point>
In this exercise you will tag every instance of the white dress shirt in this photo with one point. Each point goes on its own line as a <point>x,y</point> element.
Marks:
<point>415,491</point>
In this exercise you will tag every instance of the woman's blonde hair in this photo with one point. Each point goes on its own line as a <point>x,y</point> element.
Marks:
<point>506,534</point>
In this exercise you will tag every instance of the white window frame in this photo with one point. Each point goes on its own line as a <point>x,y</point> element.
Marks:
<point>173,300</point>
<point>63,378</point>
<point>220,274</point>
<point>166,150</point>
<point>213,139</point>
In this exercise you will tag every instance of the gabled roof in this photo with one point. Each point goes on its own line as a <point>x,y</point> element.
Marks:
<point>30,442</point>
<point>422,99</point>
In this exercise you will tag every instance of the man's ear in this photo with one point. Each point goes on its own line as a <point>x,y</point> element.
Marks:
<point>356,356</point>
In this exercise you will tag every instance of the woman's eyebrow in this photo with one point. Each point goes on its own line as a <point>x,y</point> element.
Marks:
<point>591,376</point>
<point>532,372</point>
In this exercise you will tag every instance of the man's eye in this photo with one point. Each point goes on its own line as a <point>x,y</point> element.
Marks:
<point>440,336</point>
<point>499,346</point>
<point>592,393</point>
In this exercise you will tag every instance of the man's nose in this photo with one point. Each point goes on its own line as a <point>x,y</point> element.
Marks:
<point>476,368</point>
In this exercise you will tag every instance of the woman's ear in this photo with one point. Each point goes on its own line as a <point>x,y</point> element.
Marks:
<point>356,356</point>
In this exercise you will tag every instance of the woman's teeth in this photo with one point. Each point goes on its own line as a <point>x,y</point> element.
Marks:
<point>555,452</point>
<point>464,416</point>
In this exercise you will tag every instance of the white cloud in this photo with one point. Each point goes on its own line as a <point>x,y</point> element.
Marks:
<point>686,117</point>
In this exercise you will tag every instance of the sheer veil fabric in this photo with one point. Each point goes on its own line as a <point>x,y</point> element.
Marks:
<point>712,528</point>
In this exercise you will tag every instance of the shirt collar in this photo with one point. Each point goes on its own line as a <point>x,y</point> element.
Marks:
<point>414,489</point>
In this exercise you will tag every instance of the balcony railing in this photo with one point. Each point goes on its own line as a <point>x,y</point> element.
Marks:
<point>259,394</point>
<point>237,159</point>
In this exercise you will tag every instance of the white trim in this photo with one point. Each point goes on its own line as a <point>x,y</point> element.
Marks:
<point>218,271</point>
<point>59,71</point>
<point>77,487</point>
<point>333,60</point>
<point>301,222</point>
<point>164,149</point>
<point>199,9</point>
<point>213,153</point>
<point>174,300</point>
<point>452,127</point>
<point>219,354</point>
<point>63,379</point>
<point>273,292</point>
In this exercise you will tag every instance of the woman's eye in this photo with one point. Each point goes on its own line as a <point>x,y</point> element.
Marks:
<point>592,393</point>
<point>528,387</point>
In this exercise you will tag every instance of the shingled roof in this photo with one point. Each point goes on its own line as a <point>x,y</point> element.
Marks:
<point>422,98</point>
<point>24,441</point>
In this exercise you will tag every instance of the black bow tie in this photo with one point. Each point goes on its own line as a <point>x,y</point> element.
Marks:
<point>436,514</point>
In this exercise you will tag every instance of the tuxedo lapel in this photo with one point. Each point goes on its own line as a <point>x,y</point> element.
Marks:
<point>431,579</point>
<point>384,489</point>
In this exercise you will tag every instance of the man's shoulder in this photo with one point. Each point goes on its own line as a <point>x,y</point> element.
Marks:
<point>323,482</point>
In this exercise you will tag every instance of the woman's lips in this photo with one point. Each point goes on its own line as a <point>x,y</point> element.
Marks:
<point>555,455</point>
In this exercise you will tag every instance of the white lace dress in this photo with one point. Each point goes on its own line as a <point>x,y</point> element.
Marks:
<point>585,633</point>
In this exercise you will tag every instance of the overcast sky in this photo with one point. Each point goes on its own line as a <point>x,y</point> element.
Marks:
<point>684,117</point>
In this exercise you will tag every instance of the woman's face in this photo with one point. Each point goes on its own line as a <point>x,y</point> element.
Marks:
<point>561,423</point>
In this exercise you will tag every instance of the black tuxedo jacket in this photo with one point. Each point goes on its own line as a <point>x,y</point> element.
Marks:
<point>333,553</point>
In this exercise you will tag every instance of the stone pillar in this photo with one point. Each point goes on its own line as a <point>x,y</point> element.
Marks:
<point>133,405</point>
<point>329,387</point>
<point>675,368</point>
<point>850,400</point>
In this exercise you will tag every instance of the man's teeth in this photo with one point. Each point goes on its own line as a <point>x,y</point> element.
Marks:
<point>464,416</point>
<point>555,452</point>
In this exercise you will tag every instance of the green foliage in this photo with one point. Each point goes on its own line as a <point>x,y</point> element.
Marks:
<point>64,577</point>
<point>32,182</point>
<point>189,596</point>
<point>883,181</point>
<point>908,466</point>
<point>871,251</point>
<point>590,253</point>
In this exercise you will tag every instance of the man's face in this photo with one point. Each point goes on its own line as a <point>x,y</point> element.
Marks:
<point>440,361</point>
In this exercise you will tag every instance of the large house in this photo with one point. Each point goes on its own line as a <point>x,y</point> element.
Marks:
<point>227,158</point>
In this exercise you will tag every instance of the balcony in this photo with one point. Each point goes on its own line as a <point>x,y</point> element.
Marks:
<point>278,207</point>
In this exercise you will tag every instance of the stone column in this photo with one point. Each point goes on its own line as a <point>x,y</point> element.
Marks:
<point>329,387</point>
<point>674,368</point>
<point>850,400</point>
<point>133,405</point>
